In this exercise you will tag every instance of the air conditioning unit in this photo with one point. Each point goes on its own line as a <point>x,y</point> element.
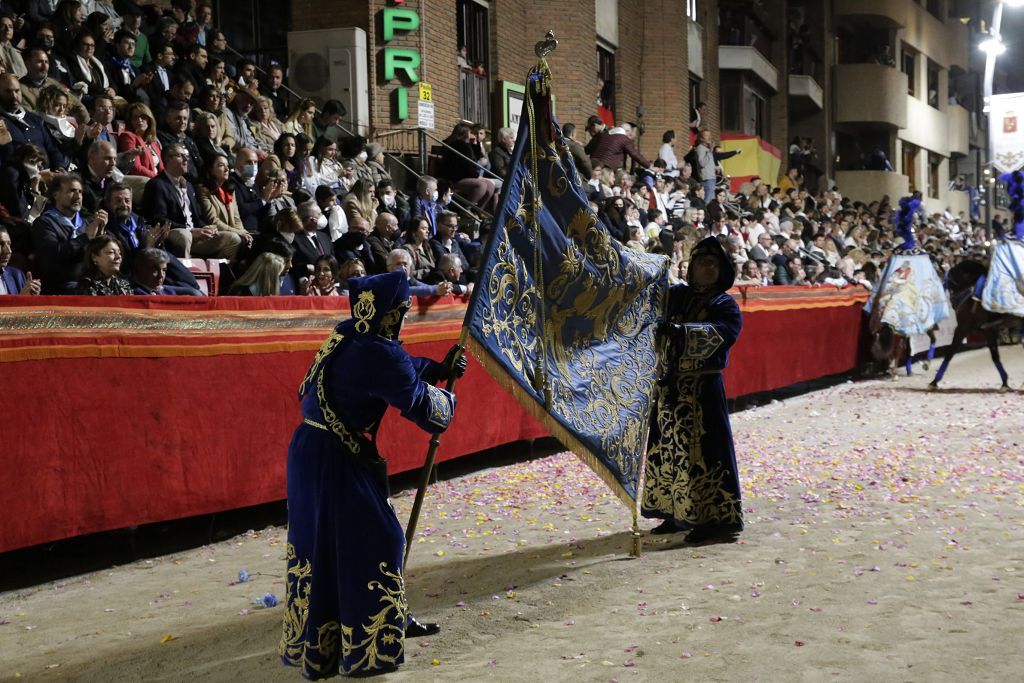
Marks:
<point>330,64</point>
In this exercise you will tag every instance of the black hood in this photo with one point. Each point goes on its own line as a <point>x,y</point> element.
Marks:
<point>726,269</point>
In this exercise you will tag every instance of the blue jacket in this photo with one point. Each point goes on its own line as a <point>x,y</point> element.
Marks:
<point>13,278</point>
<point>31,129</point>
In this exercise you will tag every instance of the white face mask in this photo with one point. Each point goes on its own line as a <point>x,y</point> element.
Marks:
<point>32,170</point>
<point>433,197</point>
<point>321,222</point>
<point>361,156</point>
<point>389,200</point>
<point>249,171</point>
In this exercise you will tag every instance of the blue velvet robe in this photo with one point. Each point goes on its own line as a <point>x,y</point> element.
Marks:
<point>346,610</point>
<point>691,476</point>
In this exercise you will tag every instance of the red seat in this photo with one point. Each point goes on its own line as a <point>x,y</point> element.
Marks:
<point>206,272</point>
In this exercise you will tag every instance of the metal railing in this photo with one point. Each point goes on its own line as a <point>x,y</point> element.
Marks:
<point>420,147</point>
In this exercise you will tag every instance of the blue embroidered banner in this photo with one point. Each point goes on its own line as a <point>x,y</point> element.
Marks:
<point>563,314</point>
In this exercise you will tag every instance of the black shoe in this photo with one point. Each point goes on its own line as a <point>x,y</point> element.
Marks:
<point>418,629</point>
<point>666,527</point>
<point>714,533</point>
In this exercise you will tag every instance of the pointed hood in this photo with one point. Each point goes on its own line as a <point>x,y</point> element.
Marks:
<point>726,270</point>
<point>379,303</point>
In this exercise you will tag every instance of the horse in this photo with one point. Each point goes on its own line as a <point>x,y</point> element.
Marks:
<point>961,281</point>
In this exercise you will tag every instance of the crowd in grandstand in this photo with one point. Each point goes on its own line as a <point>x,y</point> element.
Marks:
<point>131,139</point>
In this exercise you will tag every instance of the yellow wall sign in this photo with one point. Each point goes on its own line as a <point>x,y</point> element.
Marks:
<point>426,94</point>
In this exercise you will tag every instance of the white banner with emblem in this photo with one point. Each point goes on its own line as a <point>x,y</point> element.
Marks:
<point>1007,124</point>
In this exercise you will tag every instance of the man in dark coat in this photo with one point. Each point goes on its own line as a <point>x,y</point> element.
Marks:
<point>692,482</point>
<point>24,126</point>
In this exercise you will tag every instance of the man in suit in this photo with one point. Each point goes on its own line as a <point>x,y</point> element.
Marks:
<point>391,202</point>
<point>170,197</point>
<point>12,280</point>
<point>123,76</point>
<point>137,236</point>
<point>60,234</point>
<point>311,243</point>
<point>445,242</point>
<point>401,259</point>
<point>380,242</point>
<point>175,132</point>
<point>352,245</point>
<point>452,273</point>
<point>159,88</point>
<point>24,126</point>
<point>247,194</point>
<point>101,169</point>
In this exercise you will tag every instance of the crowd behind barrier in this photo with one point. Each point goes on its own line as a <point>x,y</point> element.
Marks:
<point>134,145</point>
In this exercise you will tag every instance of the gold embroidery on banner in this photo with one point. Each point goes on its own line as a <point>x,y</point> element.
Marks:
<point>364,311</point>
<point>329,345</point>
<point>385,627</point>
<point>511,316</point>
<point>440,408</point>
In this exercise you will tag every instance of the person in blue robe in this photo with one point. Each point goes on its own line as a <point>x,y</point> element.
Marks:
<point>346,608</point>
<point>691,479</point>
<point>1002,290</point>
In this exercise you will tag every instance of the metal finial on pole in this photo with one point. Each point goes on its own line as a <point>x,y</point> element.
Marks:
<point>545,47</point>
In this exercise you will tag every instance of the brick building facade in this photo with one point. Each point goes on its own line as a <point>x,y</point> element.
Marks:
<point>766,71</point>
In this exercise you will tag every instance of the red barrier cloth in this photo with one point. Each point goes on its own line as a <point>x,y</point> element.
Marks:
<point>129,410</point>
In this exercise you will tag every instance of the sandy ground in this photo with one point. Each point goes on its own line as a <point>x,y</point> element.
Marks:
<point>885,542</point>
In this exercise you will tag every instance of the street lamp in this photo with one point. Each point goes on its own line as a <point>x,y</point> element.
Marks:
<point>993,46</point>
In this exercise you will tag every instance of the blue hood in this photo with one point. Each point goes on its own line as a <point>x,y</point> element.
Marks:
<point>379,303</point>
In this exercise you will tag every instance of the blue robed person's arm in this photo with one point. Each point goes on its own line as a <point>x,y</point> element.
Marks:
<point>429,370</point>
<point>400,384</point>
<point>703,340</point>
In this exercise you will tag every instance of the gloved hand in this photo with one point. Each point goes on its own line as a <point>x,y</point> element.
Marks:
<point>455,363</point>
<point>667,329</point>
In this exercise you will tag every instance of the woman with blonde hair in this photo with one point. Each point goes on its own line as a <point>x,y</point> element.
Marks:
<point>360,202</point>
<point>67,133</point>
<point>263,278</point>
<point>140,133</point>
<point>268,126</point>
<point>301,119</point>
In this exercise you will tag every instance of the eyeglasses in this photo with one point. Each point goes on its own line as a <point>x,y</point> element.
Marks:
<point>450,225</point>
<point>88,44</point>
<point>180,155</point>
<point>104,109</point>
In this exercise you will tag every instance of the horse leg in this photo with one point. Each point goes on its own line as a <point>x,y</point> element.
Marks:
<point>993,348</point>
<point>931,351</point>
<point>954,348</point>
<point>894,354</point>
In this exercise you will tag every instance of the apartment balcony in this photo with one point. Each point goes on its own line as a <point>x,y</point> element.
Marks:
<point>878,13</point>
<point>742,58</point>
<point>805,93</point>
<point>958,130</point>
<point>871,93</point>
<point>869,186</point>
